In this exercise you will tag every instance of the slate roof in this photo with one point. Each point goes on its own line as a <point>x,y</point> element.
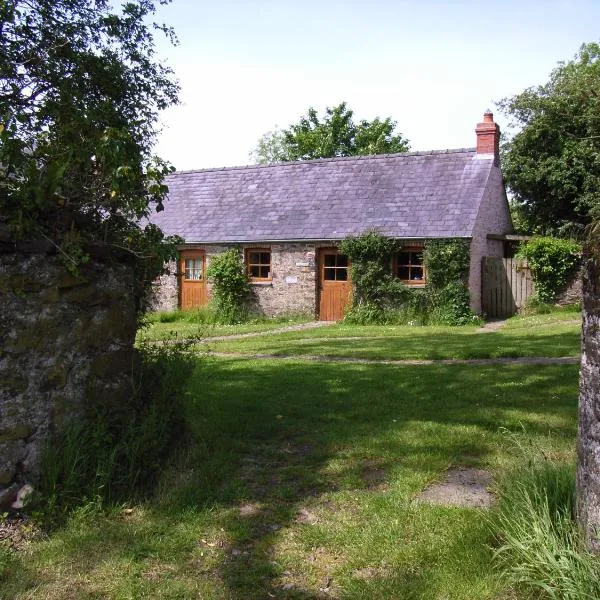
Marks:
<point>410,195</point>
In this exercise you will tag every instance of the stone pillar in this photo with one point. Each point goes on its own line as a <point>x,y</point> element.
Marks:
<point>66,342</point>
<point>588,442</point>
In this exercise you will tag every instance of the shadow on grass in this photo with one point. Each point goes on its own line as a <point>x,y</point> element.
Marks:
<point>303,447</point>
<point>462,344</point>
<point>277,437</point>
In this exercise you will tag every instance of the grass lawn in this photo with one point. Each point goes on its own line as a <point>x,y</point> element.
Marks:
<point>552,335</point>
<point>189,329</point>
<point>300,479</point>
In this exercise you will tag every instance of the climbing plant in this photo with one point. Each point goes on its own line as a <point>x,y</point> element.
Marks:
<point>380,297</point>
<point>231,291</point>
<point>447,264</point>
<point>552,262</point>
<point>375,290</point>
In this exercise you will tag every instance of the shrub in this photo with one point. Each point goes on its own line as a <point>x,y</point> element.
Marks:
<point>552,262</point>
<point>231,291</point>
<point>116,453</point>
<point>380,298</point>
<point>540,547</point>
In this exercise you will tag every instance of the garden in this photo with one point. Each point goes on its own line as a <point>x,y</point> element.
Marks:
<point>304,478</point>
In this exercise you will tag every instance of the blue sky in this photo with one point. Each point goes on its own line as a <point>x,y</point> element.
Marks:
<point>433,66</point>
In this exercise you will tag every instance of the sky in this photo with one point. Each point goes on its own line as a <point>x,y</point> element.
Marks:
<point>434,67</point>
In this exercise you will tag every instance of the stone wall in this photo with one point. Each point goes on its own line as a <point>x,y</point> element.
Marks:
<point>588,439</point>
<point>573,293</point>
<point>164,294</point>
<point>293,288</point>
<point>66,342</point>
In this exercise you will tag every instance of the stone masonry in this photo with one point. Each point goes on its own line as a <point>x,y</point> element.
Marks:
<point>67,341</point>
<point>292,290</point>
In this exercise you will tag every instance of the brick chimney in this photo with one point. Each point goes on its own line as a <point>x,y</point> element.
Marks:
<point>488,137</point>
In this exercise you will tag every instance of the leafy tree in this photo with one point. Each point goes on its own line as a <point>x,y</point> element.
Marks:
<point>80,92</point>
<point>552,165</point>
<point>335,134</point>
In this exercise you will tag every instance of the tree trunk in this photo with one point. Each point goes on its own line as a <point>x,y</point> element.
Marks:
<point>588,443</point>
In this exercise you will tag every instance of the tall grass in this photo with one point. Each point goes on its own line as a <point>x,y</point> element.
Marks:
<point>541,550</point>
<point>115,453</point>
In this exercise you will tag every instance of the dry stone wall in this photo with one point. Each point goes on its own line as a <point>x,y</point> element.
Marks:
<point>67,342</point>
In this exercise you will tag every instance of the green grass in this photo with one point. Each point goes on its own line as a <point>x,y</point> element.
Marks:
<point>300,483</point>
<point>543,335</point>
<point>181,327</point>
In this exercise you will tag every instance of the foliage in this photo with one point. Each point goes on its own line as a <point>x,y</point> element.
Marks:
<point>540,547</point>
<point>231,291</point>
<point>80,94</point>
<point>447,264</point>
<point>116,453</point>
<point>380,298</point>
<point>375,289</point>
<point>552,262</point>
<point>271,148</point>
<point>334,135</point>
<point>552,165</point>
<point>446,261</point>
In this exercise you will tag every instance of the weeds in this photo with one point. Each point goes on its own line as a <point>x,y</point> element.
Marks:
<point>540,546</point>
<point>115,454</point>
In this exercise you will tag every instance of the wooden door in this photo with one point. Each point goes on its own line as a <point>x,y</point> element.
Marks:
<point>192,292</point>
<point>334,284</point>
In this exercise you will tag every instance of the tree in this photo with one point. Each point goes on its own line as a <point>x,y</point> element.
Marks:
<point>333,135</point>
<point>80,92</point>
<point>552,165</point>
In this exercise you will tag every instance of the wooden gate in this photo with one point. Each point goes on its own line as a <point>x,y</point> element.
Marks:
<point>334,284</point>
<point>506,283</point>
<point>192,287</point>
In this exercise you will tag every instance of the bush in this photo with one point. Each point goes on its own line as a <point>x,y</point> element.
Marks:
<point>552,261</point>
<point>231,291</point>
<point>114,454</point>
<point>379,298</point>
<point>540,547</point>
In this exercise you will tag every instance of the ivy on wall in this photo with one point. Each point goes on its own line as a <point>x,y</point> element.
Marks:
<point>375,290</point>
<point>379,297</point>
<point>553,262</point>
<point>231,291</point>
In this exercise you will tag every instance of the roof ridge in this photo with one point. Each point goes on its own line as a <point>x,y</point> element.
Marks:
<point>328,160</point>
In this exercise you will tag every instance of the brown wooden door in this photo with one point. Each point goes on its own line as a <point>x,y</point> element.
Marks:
<point>334,284</point>
<point>193,279</point>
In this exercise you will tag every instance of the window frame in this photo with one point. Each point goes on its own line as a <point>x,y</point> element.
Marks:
<point>260,250</point>
<point>192,255</point>
<point>336,269</point>
<point>396,265</point>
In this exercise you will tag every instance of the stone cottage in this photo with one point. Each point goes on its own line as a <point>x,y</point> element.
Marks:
<point>288,218</point>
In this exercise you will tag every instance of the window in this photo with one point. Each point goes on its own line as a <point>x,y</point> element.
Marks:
<point>193,267</point>
<point>335,267</point>
<point>408,266</point>
<point>258,264</point>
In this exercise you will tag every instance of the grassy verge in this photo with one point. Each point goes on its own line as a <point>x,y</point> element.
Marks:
<point>540,549</point>
<point>552,337</point>
<point>199,325</point>
<point>301,481</point>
